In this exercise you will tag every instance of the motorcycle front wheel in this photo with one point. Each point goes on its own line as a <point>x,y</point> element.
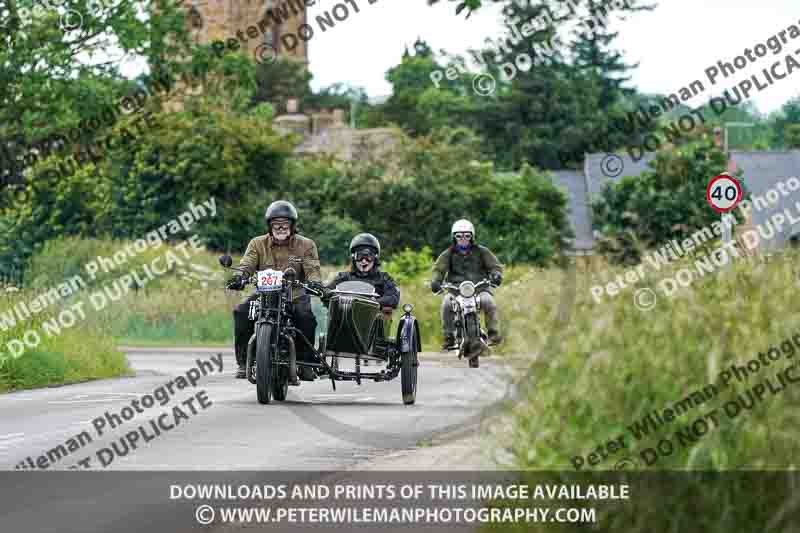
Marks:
<point>473,332</point>
<point>408,371</point>
<point>264,363</point>
<point>281,386</point>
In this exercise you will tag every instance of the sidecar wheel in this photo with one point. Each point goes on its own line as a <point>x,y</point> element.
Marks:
<point>264,364</point>
<point>408,371</point>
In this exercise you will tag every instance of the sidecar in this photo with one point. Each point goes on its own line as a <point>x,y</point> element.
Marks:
<point>358,330</point>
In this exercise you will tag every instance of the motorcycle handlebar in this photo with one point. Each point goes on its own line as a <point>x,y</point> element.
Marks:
<point>479,285</point>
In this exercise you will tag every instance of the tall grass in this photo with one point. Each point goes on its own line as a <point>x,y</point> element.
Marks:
<point>614,363</point>
<point>609,364</point>
<point>76,354</point>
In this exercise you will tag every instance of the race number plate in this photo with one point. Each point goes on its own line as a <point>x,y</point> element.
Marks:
<point>269,280</point>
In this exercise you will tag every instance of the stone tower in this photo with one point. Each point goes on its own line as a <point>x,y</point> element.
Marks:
<point>212,20</point>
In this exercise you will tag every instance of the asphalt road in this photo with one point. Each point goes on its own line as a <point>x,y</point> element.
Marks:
<point>223,436</point>
<point>317,428</point>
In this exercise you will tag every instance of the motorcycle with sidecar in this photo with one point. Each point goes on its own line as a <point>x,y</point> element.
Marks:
<point>356,330</point>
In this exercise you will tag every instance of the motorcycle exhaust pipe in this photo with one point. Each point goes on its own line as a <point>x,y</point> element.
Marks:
<point>292,363</point>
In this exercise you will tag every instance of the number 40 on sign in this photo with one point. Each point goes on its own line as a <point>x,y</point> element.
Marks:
<point>723,193</point>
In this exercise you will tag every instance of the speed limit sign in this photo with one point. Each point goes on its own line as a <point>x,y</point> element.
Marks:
<point>723,193</point>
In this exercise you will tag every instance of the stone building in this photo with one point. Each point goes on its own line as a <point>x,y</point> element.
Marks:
<point>325,132</point>
<point>252,22</point>
<point>275,25</point>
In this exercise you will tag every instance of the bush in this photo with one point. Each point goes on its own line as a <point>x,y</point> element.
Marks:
<point>188,156</point>
<point>408,264</point>
<point>61,259</point>
<point>408,199</point>
<point>76,354</point>
<point>668,202</point>
<point>522,217</point>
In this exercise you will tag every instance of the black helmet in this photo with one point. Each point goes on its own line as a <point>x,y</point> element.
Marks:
<point>281,209</point>
<point>365,239</point>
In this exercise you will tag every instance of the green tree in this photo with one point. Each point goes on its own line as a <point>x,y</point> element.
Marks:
<point>51,78</point>
<point>788,115</point>
<point>136,187</point>
<point>337,96</point>
<point>667,202</point>
<point>410,79</point>
<point>592,49</point>
<point>793,136</point>
<point>281,80</point>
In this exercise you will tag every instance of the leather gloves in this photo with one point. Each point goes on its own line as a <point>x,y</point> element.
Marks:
<point>496,278</point>
<point>317,286</point>
<point>236,283</point>
<point>326,293</point>
<point>436,286</point>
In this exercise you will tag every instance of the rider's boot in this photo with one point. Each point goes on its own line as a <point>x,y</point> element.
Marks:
<point>449,342</point>
<point>494,337</point>
<point>241,362</point>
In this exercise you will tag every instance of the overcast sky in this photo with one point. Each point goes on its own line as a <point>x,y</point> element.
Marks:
<point>673,44</point>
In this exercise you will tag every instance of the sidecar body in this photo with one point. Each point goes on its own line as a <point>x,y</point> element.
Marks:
<point>355,323</point>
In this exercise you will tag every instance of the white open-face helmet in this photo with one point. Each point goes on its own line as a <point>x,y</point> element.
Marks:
<point>462,226</point>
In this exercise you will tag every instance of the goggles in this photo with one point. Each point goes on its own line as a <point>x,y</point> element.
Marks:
<point>462,235</point>
<point>364,255</point>
<point>281,225</point>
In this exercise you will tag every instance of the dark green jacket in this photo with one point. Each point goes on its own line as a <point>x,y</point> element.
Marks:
<point>476,265</point>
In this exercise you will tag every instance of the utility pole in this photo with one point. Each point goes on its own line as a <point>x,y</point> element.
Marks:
<point>728,232</point>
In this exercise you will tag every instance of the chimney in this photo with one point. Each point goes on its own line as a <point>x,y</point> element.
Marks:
<point>291,106</point>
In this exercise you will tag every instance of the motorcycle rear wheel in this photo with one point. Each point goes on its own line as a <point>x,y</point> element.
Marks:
<point>264,364</point>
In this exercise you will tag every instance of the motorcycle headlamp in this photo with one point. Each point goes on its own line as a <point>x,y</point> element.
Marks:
<point>467,289</point>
